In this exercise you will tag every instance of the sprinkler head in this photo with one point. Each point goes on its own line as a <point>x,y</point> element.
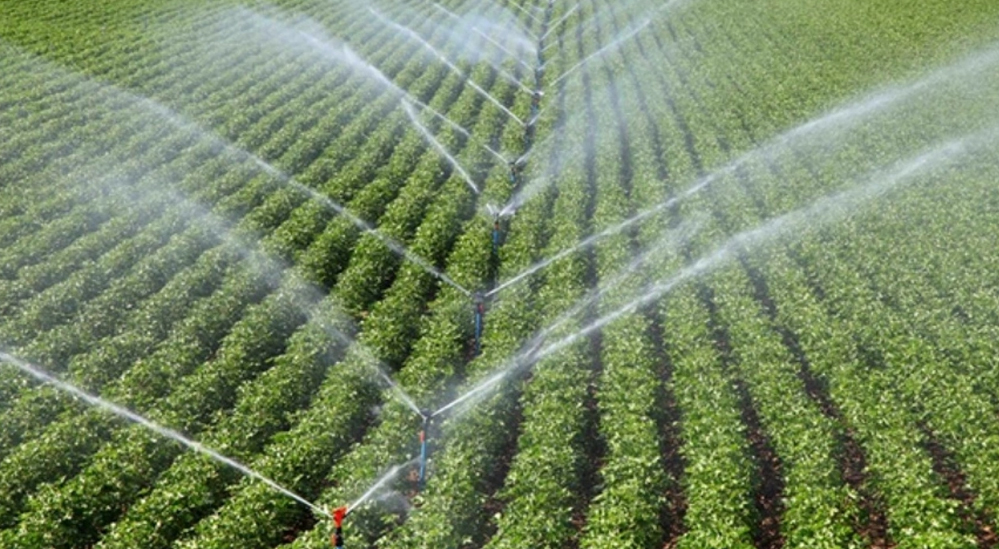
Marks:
<point>427,414</point>
<point>338,514</point>
<point>479,297</point>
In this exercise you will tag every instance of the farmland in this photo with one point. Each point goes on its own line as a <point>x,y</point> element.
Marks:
<point>684,274</point>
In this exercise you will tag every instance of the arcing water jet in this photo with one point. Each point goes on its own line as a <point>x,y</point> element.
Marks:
<point>440,148</point>
<point>129,415</point>
<point>616,43</point>
<point>412,34</point>
<point>553,26</point>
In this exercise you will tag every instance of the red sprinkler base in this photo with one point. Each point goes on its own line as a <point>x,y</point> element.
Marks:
<point>336,540</point>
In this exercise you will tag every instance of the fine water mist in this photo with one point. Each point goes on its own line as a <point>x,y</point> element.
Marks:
<point>315,41</point>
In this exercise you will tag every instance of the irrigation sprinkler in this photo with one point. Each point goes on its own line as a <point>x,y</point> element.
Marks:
<point>499,227</point>
<point>338,514</point>
<point>536,104</point>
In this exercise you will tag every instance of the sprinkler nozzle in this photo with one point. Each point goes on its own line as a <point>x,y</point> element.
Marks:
<point>338,514</point>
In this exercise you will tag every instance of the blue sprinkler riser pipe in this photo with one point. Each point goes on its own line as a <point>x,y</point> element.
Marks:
<point>423,459</point>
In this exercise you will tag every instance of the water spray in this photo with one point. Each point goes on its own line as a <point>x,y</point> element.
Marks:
<point>440,56</point>
<point>503,49</point>
<point>452,124</point>
<point>602,51</point>
<point>822,211</point>
<point>390,475</point>
<point>438,146</point>
<point>551,28</point>
<point>446,11</point>
<point>129,415</point>
<point>394,387</point>
<point>179,121</point>
<point>347,54</point>
<point>529,14</point>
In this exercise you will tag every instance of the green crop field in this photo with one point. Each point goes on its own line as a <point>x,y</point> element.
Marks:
<point>499,273</point>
